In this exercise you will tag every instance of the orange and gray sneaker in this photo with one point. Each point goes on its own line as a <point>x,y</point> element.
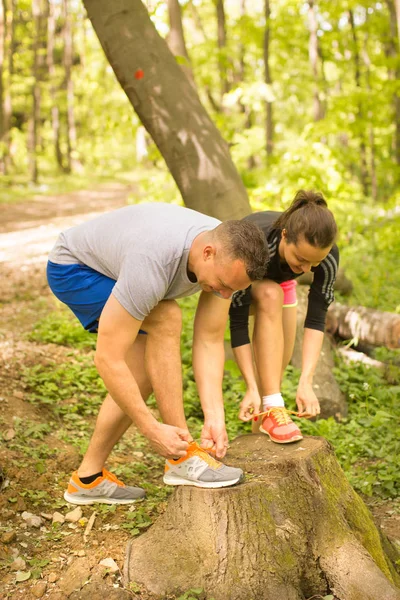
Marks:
<point>279,426</point>
<point>106,489</point>
<point>200,469</point>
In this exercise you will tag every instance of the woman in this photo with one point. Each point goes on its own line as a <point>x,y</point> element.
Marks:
<point>301,239</point>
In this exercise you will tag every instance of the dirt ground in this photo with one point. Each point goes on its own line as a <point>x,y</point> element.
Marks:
<point>62,561</point>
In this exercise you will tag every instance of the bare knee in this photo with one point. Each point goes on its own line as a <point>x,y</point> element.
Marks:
<point>164,320</point>
<point>267,295</point>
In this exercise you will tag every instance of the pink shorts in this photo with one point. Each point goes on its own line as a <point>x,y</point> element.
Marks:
<point>289,293</point>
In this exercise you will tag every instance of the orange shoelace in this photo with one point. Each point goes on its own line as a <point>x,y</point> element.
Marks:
<point>195,449</point>
<point>281,414</point>
<point>112,477</point>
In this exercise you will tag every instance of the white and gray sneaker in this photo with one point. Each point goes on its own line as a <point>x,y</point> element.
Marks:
<point>106,489</point>
<point>200,469</point>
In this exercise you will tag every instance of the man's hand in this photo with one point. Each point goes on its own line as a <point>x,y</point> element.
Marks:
<point>169,441</point>
<point>215,438</point>
<point>307,401</point>
<point>250,405</point>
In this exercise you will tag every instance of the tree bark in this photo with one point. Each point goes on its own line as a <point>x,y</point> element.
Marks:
<point>360,112</point>
<point>3,17</point>
<point>9,11</point>
<point>72,162</point>
<point>269,123</point>
<point>169,108</point>
<point>222,53</point>
<point>394,73</point>
<point>36,92</point>
<point>314,57</point>
<point>365,325</point>
<point>294,529</point>
<point>55,113</point>
<point>176,39</point>
<point>331,399</point>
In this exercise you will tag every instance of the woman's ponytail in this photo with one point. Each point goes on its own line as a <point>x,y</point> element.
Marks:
<point>308,216</point>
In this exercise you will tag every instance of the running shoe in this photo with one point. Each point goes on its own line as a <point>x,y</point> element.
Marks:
<point>106,489</point>
<point>200,469</point>
<point>279,426</point>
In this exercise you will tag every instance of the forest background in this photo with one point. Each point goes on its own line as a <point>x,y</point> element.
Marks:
<point>306,95</point>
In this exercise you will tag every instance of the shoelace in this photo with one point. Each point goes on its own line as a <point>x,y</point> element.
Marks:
<point>194,448</point>
<point>112,477</point>
<point>281,414</point>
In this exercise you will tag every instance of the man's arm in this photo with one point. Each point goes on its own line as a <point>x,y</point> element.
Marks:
<point>117,332</point>
<point>208,366</point>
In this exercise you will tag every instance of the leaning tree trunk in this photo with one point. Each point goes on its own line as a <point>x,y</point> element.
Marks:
<point>294,530</point>
<point>169,108</point>
<point>326,388</point>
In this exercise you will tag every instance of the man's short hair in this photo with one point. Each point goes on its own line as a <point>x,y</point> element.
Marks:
<point>244,240</point>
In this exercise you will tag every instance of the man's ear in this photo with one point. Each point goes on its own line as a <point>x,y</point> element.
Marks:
<point>209,251</point>
<point>284,234</point>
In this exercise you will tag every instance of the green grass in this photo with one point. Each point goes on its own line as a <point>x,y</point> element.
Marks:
<point>366,442</point>
<point>18,188</point>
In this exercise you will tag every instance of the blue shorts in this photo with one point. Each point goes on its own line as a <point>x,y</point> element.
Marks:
<point>84,290</point>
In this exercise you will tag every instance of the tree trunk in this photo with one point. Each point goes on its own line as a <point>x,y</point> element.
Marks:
<point>73,164</point>
<point>366,325</point>
<point>294,529</point>
<point>9,50</point>
<point>314,57</point>
<point>394,74</point>
<point>169,108</point>
<point>360,111</point>
<point>36,93</point>
<point>222,53</point>
<point>245,109</point>
<point>331,399</point>
<point>342,283</point>
<point>55,114</point>
<point>176,39</point>
<point>269,123</point>
<point>3,19</point>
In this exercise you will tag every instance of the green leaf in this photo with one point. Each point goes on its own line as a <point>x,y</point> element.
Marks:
<point>22,576</point>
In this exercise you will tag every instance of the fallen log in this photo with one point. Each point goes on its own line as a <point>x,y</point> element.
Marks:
<point>342,283</point>
<point>332,401</point>
<point>352,356</point>
<point>365,325</point>
<point>295,529</point>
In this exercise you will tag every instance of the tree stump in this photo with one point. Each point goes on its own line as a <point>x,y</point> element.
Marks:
<point>294,529</point>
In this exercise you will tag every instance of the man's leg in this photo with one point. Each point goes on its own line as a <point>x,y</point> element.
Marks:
<point>155,363</point>
<point>112,422</point>
<point>163,360</point>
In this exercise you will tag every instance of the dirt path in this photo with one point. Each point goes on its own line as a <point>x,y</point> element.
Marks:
<point>60,561</point>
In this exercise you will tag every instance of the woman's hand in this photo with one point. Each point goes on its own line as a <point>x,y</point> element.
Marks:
<point>250,405</point>
<point>306,400</point>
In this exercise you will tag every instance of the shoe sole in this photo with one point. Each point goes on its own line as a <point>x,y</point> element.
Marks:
<point>176,480</point>
<point>81,501</point>
<point>293,439</point>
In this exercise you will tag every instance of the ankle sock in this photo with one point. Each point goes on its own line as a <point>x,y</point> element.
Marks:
<point>272,400</point>
<point>91,478</point>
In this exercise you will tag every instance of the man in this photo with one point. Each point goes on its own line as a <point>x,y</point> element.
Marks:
<point>120,274</point>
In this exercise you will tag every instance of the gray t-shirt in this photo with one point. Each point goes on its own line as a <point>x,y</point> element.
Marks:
<point>144,247</point>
